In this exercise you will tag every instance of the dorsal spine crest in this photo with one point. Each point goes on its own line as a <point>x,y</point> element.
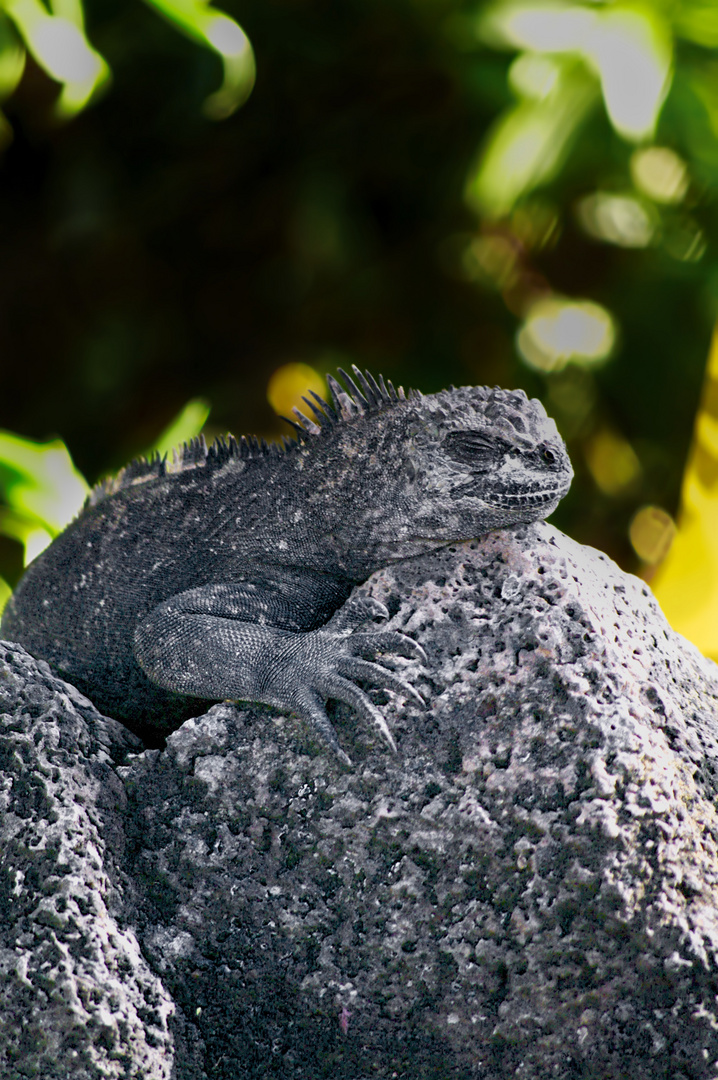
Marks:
<point>364,395</point>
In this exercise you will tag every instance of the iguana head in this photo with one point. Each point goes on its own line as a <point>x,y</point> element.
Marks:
<point>425,470</point>
<point>487,456</point>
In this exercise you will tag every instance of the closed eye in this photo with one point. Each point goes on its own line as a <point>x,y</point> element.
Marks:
<point>472,448</point>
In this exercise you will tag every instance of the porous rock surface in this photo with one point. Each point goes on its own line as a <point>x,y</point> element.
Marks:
<point>77,997</point>
<point>529,889</point>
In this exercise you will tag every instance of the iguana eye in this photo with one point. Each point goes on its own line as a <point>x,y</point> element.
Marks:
<point>470,447</point>
<point>548,455</point>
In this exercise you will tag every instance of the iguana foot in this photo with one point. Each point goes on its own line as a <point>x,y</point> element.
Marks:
<point>336,662</point>
<point>189,644</point>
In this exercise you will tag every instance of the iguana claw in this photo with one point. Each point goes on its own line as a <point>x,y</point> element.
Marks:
<point>336,662</point>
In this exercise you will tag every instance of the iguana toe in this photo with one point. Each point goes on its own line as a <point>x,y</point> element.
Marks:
<point>336,686</point>
<point>310,707</point>
<point>357,611</point>
<point>369,643</point>
<point>380,676</point>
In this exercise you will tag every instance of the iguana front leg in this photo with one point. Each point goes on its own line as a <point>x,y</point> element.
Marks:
<point>217,642</point>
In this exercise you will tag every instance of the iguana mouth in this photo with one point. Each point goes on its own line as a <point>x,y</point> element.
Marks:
<point>514,500</point>
<point>517,499</point>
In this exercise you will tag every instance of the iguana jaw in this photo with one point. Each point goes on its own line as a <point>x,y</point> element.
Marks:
<point>509,500</point>
<point>494,492</point>
<point>517,491</point>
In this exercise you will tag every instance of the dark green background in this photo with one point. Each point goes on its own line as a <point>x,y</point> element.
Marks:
<point>150,255</point>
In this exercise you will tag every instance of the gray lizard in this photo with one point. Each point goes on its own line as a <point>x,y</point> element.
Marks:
<point>227,573</point>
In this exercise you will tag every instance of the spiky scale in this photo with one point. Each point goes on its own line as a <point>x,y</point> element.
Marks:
<point>367,390</point>
<point>354,390</point>
<point>326,407</point>
<point>308,425</point>
<point>322,419</point>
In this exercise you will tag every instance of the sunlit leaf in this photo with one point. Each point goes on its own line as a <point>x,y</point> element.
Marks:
<point>12,57</point>
<point>185,426</point>
<point>224,36</point>
<point>71,10</point>
<point>686,583</point>
<point>633,51</point>
<point>232,44</point>
<point>40,481</point>
<point>557,26</point>
<point>61,48</point>
<point>529,144</point>
<point>628,45</point>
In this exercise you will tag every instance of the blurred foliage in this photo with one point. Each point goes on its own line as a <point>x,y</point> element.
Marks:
<point>687,580</point>
<point>440,190</point>
<point>57,41</point>
<point>186,425</point>
<point>41,492</point>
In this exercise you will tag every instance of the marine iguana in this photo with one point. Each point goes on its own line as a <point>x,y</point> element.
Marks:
<point>216,575</point>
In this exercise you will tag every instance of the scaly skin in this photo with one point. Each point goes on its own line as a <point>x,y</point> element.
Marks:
<point>228,573</point>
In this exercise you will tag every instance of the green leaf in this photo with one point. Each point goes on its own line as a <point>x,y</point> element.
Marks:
<point>39,481</point>
<point>698,22</point>
<point>628,45</point>
<point>186,425</point>
<point>5,593</point>
<point>33,536</point>
<point>60,47</point>
<point>223,35</point>
<point>12,57</point>
<point>530,142</point>
<point>633,52</point>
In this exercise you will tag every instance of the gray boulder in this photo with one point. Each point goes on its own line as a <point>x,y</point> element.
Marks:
<point>77,997</point>
<point>530,889</point>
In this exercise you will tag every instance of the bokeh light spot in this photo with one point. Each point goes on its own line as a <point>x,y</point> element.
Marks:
<point>616,219</point>
<point>533,76</point>
<point>612,462</point>
<point>492,259</point>
<point>557,331</point>
<point>289,384</point>
<point>651,533</point>
<point>660,173</point>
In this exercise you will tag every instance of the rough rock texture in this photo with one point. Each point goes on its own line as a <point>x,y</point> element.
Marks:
<point>529,890</point>
<point>77,998</point>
